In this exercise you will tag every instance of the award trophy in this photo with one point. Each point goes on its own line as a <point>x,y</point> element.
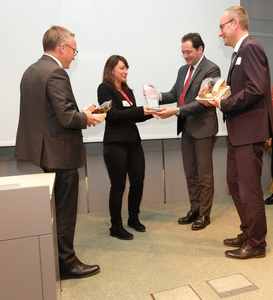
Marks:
<point>151,96</point>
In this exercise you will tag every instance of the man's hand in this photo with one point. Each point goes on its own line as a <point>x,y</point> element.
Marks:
<point>205,103</point>
<point>152,93</point>
<point>166,112</point>
<point>91,119</point>
<point>146,92</point>
<point>215,102</point>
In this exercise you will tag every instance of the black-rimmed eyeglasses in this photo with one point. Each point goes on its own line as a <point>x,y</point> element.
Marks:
<point>223,25</point>
<point>75,50</point>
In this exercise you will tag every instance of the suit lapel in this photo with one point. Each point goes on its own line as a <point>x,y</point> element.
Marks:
<point>184,77</point>
<point>235,58</point>
<point>198,69</point>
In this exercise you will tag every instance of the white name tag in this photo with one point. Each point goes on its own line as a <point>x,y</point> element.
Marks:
<point>239,60</point>
<point>125,103</point>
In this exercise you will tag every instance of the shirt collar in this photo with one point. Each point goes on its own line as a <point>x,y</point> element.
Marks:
<point>240,42</point>
<point>196,65</point>
<point>58,62</point>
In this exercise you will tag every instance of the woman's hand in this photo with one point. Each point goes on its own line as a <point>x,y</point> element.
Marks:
<point>148,111</point>
<point>166,112</point>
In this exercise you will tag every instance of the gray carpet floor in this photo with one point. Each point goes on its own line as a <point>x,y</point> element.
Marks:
<point>169,261</point>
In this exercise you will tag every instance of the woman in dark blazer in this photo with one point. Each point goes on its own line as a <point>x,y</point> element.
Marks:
<point>122,149</point>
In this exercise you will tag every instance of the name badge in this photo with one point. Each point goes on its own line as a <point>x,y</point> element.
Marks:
<point>239,60</point>
<point>125,103</point>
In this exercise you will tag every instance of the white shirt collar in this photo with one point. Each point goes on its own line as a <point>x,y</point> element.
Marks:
<point>240,42</point>
<point>196,65</point>
<point>194,69</point>
<point>58,62</point>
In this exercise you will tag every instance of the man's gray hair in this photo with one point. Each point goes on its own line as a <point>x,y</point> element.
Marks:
<point>239,13</point>
<point>55,36</point>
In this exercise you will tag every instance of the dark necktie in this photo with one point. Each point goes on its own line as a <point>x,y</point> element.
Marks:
<point>182,96</point>
<point>232,58</point>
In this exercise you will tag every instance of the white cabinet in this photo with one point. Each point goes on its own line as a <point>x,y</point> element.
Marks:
<point>28,243</point>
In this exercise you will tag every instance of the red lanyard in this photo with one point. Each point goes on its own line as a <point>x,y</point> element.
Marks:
<point>126,97</point>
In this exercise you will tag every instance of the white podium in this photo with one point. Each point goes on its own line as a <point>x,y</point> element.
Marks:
<point>29,268</point>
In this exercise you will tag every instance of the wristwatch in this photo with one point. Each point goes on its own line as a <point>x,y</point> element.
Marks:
<point>177,111</point>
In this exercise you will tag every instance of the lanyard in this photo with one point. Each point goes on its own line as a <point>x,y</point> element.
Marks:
<point>126,97</point>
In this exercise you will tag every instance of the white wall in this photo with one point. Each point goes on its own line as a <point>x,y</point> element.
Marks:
<point>146,32</point>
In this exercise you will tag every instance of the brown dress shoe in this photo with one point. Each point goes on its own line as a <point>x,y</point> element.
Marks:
<point>190,217</point>
<point>201,223</point>
<point>246,251</point>
<point>237,242</point>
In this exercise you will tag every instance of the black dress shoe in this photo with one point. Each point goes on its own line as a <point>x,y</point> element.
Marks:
<point>269,200</point>
<point>237,242</point>
<point>120,233</point>
<point>201,223</point>
<point>79,271</point>
<point>134,223</point>
<point>246,251</point>
<point>190,217</point>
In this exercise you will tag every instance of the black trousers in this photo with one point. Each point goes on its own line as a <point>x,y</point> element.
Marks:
<point>66,203</point>
<point>123,158</point>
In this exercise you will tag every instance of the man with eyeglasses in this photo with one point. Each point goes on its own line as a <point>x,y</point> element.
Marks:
<point>248,115</point>
<point>50,136</point>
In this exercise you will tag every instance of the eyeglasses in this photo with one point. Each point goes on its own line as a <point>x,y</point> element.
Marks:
<point>75,50</point>
<point>223,25</point>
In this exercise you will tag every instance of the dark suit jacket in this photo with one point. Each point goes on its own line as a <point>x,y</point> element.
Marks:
<point>249,110</point>
<point>49,130</point>
<point>120,125</point>
<point>201,120</point>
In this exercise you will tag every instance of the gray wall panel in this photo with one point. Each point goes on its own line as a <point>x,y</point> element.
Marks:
<point>162,184</point>
<point>261,9</point>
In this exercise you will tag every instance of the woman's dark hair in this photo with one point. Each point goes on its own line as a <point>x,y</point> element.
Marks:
<point>110,64</point>
<point>195,38</point>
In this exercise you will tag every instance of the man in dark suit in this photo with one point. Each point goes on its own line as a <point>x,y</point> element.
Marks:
<point>248,114</point>
<point>49,135</point>
<point>199,126</point>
